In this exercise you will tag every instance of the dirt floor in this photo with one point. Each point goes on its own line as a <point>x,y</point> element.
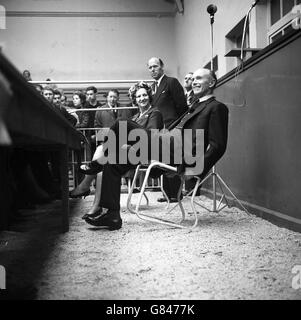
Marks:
<point>230,255</point>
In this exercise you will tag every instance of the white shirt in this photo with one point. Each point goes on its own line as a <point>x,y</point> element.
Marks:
<point>159,80</point>
<point>188,92</point>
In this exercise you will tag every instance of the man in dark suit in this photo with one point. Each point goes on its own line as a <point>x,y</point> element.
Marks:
<point>188,88</point>
<point>206,113</point>
<point>169,98</point>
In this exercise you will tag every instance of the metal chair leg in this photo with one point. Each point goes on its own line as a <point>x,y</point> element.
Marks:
<point>155,219</point>
<point>131,188</point>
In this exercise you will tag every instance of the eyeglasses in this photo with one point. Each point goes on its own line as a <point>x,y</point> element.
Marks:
<point>187,78</point>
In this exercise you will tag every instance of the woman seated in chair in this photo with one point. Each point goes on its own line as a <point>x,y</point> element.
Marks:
<point>147,117</point>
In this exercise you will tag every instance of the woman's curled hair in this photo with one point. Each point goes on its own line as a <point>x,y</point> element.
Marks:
<point>140,85</point>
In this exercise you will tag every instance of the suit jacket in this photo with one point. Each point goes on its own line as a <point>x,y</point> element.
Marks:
<point>86,118</point>
<point>106,118</point>
<point>212,116</point>
<point>170,99</point>
<point>152,119</point>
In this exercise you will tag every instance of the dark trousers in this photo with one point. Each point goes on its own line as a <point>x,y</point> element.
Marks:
<point>112,173</point>
<point>171,185</point>
<point>111,185</point>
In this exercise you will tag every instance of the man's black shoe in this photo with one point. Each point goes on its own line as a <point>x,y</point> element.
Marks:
<point>110,220</point>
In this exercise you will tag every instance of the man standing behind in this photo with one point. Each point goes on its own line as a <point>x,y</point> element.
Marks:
<point>169,98</point>
<point>168,94</point>
<point>92,102</point>
<point>188,88</point>
<point>91,95</point>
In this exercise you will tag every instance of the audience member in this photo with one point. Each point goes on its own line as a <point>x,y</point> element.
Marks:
<point>26,75</point>
<point>188,88</point>
<point>69,107</point>
<point>48,94</point>
<point>51,85</point>
<point>57,103</point>
<point>39,88</point>
<point>64,101</point>
<point>105,118</point>
<point>79,102</point>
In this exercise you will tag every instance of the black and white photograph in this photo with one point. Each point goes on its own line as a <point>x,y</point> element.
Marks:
<point>150,153</point>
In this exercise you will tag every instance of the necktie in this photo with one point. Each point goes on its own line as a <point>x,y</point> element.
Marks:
<point>155,87</point>
<point>193,106</point>
<point>189,97</point>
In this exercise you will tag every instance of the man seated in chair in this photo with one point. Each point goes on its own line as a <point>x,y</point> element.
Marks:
<point>206,113</point>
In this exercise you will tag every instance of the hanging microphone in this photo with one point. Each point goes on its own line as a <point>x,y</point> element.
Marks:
<point>211,9</point>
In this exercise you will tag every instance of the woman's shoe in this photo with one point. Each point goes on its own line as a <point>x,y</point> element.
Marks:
<point>91,168</point>
<point>73,194</point>
<point>92,215</point>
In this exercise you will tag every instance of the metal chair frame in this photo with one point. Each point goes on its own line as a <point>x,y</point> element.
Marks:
<point>142,191</point>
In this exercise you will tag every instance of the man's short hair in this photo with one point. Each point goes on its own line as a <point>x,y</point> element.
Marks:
<point>112,90</point>
<point>91,88</point>
<point>39,86</point>
<point>48,88</point>
<point>214,77</point>
<point>161,62</point>
<point>57,93</point>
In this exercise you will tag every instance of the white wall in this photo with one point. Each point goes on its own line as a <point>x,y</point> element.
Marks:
<point>88,5</point>
<point>193,42</point>
<point>112,45</point>
<point>72,47</point>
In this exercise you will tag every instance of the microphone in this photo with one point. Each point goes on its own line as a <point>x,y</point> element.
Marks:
<point>211,9</point>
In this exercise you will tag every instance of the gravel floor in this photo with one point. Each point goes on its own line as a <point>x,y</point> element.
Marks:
<point>229,255</point>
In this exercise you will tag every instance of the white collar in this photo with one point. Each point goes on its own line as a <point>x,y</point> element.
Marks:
<point>111,106</point>
<point>205,98</point>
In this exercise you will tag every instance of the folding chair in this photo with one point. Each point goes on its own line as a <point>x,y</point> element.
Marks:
<point>156,219</point>
<point>132,186</point>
